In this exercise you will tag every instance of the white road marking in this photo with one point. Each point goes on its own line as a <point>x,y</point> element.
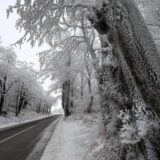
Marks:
<point>14,135</point>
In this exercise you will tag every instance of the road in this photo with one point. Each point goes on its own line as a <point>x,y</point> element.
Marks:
<point>18,142</point>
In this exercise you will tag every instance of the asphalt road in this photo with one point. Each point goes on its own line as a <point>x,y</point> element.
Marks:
<point>18,142</point>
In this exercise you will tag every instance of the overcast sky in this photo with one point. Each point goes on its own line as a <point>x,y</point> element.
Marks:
<point>9,35</point>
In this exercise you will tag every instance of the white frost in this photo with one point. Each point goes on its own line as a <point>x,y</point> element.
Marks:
<point>73,139</point>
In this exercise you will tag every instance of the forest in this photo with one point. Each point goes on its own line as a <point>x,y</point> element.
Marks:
<point>19,86</point>
<point>104,57</point>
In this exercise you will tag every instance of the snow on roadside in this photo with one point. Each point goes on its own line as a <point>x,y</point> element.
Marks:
<point>74,138</point>
<point>25,116</point>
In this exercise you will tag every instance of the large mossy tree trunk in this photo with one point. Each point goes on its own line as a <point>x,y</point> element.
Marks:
<point>124,26</point>
<point>138,74</point>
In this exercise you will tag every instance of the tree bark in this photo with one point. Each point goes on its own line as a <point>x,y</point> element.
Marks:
<point>82,85</point>
<point>1,102</point>
<point>38,109</point>
<point>2,98</point>
<point>66,97</point>
<point>139,72</point>
<point>131,40</point>
<point>20,100</point>
<point>89,109</point>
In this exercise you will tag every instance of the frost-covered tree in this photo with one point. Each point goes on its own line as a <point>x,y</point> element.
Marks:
<point>19,85</point>
<point>64,64</point>
<point>28,90</point>
<point>80,33</point>
<point>7,70</point>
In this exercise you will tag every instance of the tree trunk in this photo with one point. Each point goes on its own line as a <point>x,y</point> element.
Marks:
<point>25,104</point>
<point>38,108</point>
<point>133,44</point>
<point>17,105</point>
<point>82,85</point>
<point>1,102</point>
<point>2,98</point>
<point>66,97</point>
<point>139,75</point>
<point>20,100</point>
<point>71,96</point>
<point>44,109</point>
<point>89,109</point>
<point>21,103</point>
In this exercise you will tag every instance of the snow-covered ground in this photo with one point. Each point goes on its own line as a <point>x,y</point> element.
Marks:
<point>25,116</point>
<point>75,138</point>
